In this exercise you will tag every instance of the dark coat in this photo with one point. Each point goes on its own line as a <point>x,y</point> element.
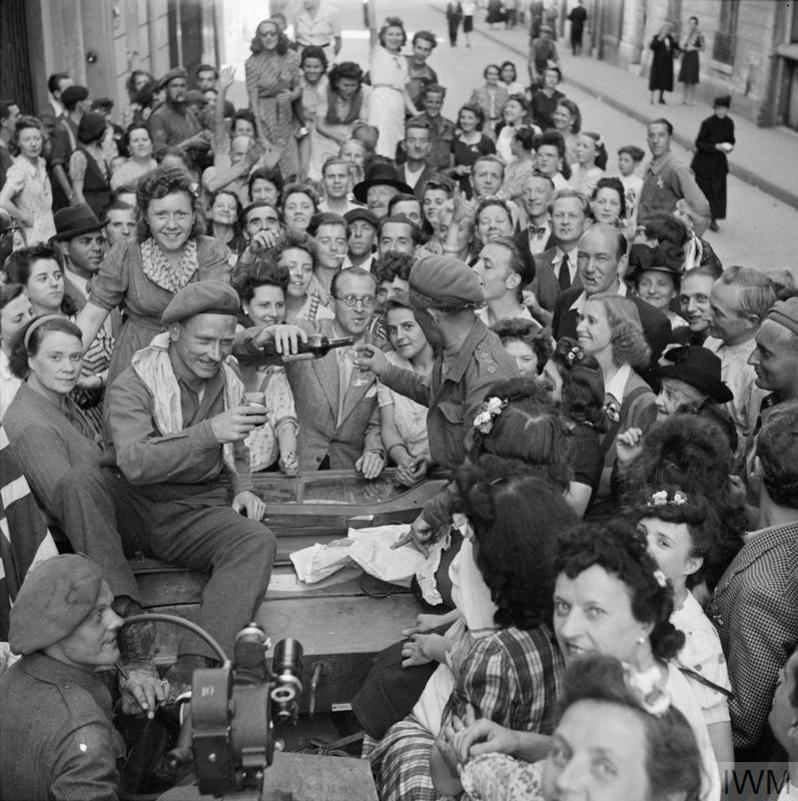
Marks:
<point>710,165</point>
<point>661,76</point>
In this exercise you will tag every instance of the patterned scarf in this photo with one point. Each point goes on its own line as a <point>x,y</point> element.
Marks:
<point>159,269</point>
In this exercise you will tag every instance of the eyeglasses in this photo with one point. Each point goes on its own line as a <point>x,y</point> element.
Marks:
<point>367,301</point>
<point>266,34</point>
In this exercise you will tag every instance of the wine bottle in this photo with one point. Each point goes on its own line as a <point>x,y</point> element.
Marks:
<point>317,346</point>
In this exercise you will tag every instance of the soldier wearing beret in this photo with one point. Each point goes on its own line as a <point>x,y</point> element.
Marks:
<point>445,294</point>
<point>173,123</point>
<point>175,423</point>
<point>57,739</point>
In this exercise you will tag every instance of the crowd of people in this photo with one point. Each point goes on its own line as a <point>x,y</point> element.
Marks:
<point>610,581</point>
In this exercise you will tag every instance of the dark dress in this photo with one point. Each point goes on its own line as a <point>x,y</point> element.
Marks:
<point>661,77</point>
<point>495,13</point>
<point>466,155</point>
<point>543,106</point>
<point>689,69</point>
<point>710,165</point>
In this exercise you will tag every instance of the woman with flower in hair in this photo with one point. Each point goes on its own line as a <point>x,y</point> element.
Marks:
<point>610,598</point>
<point>682,531</point>
<point>504,665</point>
<point>170,251</point>
<point>389,78</point>
<point>577,384</point>
<point>591,159</point>
<point>611,332</point>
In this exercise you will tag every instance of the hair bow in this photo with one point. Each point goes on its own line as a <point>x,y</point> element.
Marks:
<point>490,409</point>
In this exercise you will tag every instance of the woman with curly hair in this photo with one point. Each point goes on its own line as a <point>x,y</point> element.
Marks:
<point>170,252</point>
<point>608,202</point>
<point>567,120</point>
<point>224,215</point>
<point>262,286</point>
<point>528,343</point>
<point>683,532</point>
<point>508,670</point>
<point>693,453</point>
<point>389,78</point>
<point>577,384</point>
<point>272,78</point>
<point>611,332</point>
<point>610,598</point>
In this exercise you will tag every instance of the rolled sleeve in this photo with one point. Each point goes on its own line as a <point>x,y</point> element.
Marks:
<point>110,285</point>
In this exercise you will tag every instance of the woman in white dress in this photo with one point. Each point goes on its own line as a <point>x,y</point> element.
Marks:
<point>389,78</point>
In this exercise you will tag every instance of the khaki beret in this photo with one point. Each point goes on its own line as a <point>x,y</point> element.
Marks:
<point>55,598</point>
<point>785,312</point>
<point>446,279</point>
<point>201,297</point>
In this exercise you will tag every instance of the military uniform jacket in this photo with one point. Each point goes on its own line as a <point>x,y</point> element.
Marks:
<point>56,736</point>
<point>455,390</point>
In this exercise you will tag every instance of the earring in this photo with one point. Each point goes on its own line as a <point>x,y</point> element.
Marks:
<point>641,639</point>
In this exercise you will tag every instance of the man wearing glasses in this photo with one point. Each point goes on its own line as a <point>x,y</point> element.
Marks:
<point>336,403</point>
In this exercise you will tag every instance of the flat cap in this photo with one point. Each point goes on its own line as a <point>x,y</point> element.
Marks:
<point>55,598</point>
<point>201,297</point>
<point>446,279</point>
<point>175,72</point>
<point>362,213</point>
<point>785,312</point>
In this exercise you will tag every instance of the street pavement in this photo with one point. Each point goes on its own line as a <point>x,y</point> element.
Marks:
<point>760,231</point>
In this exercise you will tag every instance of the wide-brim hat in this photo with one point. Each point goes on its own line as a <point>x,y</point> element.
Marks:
<point>643,258</point>
<point>380,174</point>
<point>698,367</point>
<point>73,221</point>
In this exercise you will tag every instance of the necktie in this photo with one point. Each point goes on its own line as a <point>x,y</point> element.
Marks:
<point>565,273</point>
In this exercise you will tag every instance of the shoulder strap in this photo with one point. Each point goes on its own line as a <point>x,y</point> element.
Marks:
<point>614,429</point>
<point>692,674</point>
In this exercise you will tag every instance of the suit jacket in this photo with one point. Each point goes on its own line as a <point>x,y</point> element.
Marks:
<point>656,326</point>
<point>426,174</point>
<point>314,384</point>
<point>755,610</point>
<point>546,285</point>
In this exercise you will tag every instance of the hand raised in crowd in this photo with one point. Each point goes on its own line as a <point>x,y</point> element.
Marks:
<point>249,505</point>
<point>629,444</point>
<point>370,464</point>
<point>234,424</point>
<point>227,76</point>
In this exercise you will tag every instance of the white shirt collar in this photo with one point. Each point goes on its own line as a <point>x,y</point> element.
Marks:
<point>616,385</point>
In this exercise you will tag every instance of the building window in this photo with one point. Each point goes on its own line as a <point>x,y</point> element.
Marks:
<point>726,37</point>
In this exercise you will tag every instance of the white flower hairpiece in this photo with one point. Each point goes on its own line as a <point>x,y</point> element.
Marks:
<point>490,409</point>
<point>661,578</point>
<point>574,355</point>
<point>660,498</point>
<point>647,686</point>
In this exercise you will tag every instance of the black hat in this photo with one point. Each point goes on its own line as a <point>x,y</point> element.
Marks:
<point>380,174</point>
<point>361,213</point>
<point>723,100</point>
<point>91,126</point>
<point>102,104</point>
<point>72,94</point>
<point>642,258</point>
<point>698,367</point>
<point>73,221</point>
